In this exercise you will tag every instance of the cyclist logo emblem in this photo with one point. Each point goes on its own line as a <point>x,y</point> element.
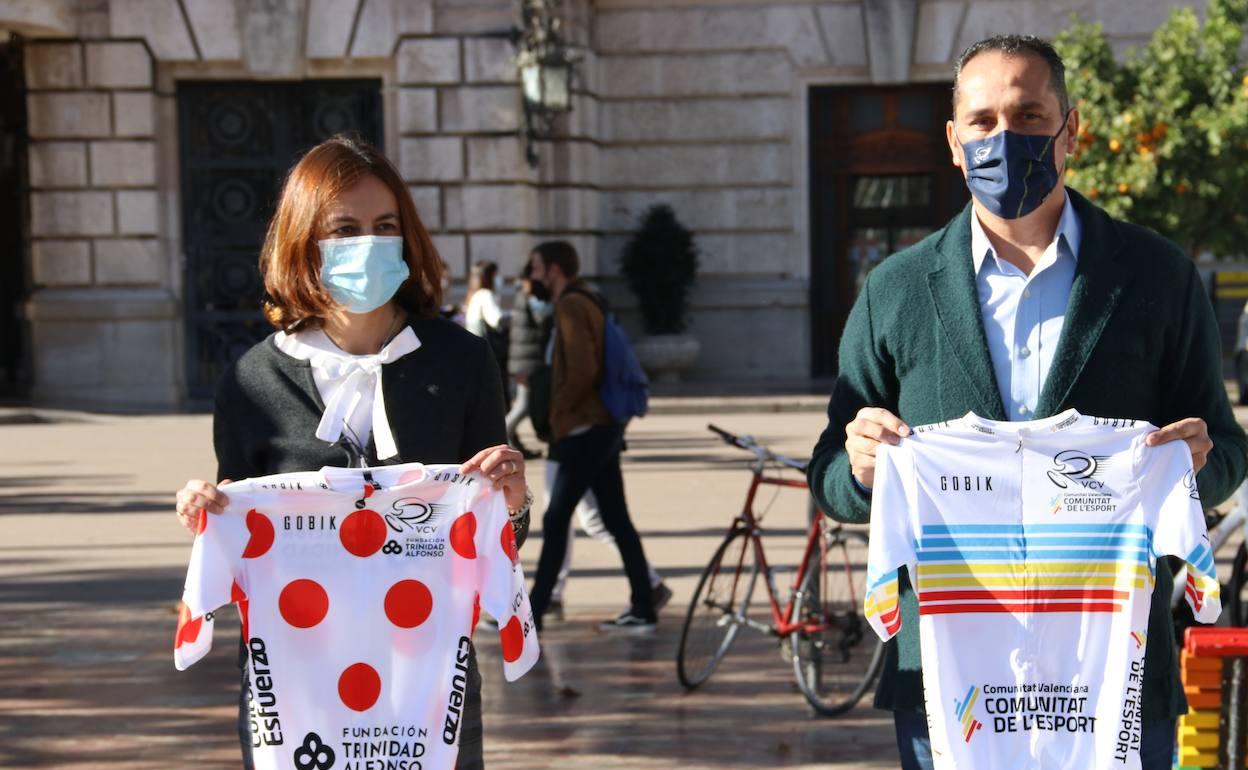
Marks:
<point>963,710</point>
<point>1189,481</point>
<point>1080,467</point>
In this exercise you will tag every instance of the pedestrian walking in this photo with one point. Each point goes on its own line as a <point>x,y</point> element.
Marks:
<point>589,519</point>
<point>361,370</point>
<point>1030,302</point>
<point>485,317</point>
<point>587,441</point>
<point>531,320</point>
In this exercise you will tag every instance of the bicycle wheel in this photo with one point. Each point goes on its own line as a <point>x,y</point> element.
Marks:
<point>1237,589</point>
<point>718,609</point>
<point>837,660</point>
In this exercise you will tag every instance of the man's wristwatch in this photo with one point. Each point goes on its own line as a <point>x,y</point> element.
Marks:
<point>519,513</point>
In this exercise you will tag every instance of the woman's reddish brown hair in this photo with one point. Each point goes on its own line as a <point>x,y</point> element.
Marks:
<point>290,261</point>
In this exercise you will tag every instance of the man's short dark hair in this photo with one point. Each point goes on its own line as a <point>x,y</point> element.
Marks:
<point>1015,45</point>
<point>559,253</point>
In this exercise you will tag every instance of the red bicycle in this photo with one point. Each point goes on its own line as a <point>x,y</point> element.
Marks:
<point>836,656</point>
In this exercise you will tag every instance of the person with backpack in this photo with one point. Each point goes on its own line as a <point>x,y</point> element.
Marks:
<point>592,369</point>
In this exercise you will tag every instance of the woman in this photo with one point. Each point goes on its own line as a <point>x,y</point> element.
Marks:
<point>362,369</point>
<point>484,317</point>
<point>531,313</point>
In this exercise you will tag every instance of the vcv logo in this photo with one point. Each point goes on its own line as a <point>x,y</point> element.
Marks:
<point>1056,503</point>
<point>410,513</point>
<point>982,154</point>
<point>1189,481</point>
<point>963,710</point>
<point>1072,465</point>
<point>1140,638</point>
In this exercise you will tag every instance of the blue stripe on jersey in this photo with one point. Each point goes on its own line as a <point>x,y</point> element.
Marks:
<point>1202,559</point>
<point>1014,554</point>
<point>1027,529</point>
<point>1031,541</point>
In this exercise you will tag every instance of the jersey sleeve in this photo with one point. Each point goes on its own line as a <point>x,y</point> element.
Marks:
<point>503,594</point>
<point>213,580</point>
<point>1177,520</point>
<point>891,543</point>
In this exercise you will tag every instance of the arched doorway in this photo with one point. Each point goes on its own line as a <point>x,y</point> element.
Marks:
<point>14,277</point>
<point>881,180</point>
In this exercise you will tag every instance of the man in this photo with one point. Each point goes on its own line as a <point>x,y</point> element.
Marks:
<point>587,441</point>
<point>1029,302</point>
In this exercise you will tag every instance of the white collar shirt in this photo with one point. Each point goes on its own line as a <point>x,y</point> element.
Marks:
<point>1023,314</point>
<point>350,386</point>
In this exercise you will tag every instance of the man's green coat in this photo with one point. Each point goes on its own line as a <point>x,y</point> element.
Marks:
<point>1139,342</point>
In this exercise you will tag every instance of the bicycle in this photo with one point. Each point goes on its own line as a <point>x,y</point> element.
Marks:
<point>836,656</point>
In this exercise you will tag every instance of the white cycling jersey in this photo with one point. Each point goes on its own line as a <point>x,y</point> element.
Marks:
<point>359,591</point>
<point>1031,547</point>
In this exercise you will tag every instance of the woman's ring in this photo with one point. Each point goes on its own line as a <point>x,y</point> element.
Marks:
<point>513,468</point>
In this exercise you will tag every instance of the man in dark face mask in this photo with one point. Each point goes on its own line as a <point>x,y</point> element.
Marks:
<point>1030,302</point>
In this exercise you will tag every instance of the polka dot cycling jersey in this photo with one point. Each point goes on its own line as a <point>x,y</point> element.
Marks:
<point>359,592</point>
<point>1032,549</point>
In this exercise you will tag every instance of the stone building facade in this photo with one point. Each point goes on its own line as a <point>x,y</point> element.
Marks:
<point>726,109</point>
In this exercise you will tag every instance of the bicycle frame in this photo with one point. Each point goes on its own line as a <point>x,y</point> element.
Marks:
<point>781,617</point>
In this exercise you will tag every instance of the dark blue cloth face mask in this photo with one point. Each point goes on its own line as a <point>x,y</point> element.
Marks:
<point>1011,174</point>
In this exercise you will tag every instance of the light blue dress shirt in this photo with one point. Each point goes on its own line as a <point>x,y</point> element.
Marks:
<point>1023,314</point>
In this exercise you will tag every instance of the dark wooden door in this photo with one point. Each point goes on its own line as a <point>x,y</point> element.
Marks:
<point>880,180</point>
<point>13,192</point>
<point>238,140</point>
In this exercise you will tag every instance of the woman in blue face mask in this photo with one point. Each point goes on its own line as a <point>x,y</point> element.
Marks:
<point>361,369</point>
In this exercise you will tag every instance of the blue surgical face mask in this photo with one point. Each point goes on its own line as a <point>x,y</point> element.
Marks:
<point>363,273</point>
<point>540,308</point>
<point>1011,174</point>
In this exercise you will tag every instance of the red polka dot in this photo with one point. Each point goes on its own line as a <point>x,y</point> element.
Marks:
<point>359,687</point>
<point>512,637</point>
<point>363,533</point>
<point>462,533</point>
<point>203,522</point>
<point>303,603</point>
<point>261,530</point>
<point>188,628</point>
<point>408,603</point>
<point>507,538</point>
<point>237,594</point>
<point>476,613</point>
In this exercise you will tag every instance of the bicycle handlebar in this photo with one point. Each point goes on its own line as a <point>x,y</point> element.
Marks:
<point>750,445</point>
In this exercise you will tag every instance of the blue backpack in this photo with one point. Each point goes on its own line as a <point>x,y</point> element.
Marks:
<point>625,389</point>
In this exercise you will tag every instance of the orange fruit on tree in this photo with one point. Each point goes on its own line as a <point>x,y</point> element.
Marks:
<point>1124,188</point>
<point>1114,145</point>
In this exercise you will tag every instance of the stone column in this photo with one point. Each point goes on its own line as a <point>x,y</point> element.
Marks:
<point>102,314</point>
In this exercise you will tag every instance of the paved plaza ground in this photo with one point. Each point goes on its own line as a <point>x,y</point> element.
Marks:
<point>91,567</point>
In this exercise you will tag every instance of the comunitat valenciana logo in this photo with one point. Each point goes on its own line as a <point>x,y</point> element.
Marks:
<point>962,708</point>
<point>1074,467</point>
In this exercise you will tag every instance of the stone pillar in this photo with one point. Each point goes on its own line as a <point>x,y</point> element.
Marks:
<point>102,315</point>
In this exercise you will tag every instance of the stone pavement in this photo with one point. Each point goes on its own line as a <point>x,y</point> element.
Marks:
<point>92,561</point>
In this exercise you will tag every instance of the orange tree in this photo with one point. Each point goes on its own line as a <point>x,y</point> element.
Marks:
<point>1164,137</point>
